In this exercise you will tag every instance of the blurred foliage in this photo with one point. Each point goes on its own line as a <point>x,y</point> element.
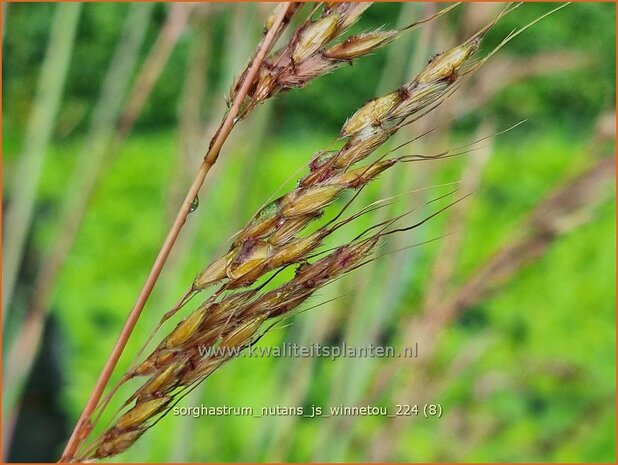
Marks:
<point>543,389</point>
<point>570,98</point>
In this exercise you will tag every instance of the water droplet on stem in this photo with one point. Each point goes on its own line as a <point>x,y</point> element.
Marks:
<point>194,204</point>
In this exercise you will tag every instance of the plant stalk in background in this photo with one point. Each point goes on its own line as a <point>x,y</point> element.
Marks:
<point>45,108</point>
<point>25,346</point>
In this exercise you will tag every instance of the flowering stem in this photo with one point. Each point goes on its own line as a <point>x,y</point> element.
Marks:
<point>84,425</point>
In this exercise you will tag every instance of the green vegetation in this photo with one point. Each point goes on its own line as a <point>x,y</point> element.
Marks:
<point>525,374</point>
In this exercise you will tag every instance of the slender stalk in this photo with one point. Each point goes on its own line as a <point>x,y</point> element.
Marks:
<point>89,171</point>
<point>191,102</point>
<point>28,172</point>
<point>175,23</point>
<point>442,273</point>
<point>191,146</point>
<point>83,426</point>
<point>5,12</point>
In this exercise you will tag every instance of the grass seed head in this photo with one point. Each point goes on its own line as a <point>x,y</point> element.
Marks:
<point>309,200</point>
<point>141,413</point>
<point>213,273</point>
<point>242,335</point>
<point>117,443</point>
<point>445,66</point>
<point>186,328</point>
<point>359,45</point>
<point>271,239</point>
<point>315,36</point>
<point>370,114</point>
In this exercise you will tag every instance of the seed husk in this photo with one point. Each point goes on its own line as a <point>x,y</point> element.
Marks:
<point>157,360</point>
<point>251,255</point>
<point>164,381</point>
<point>213,273</point>
<point>117,443</point>
<point>186,328</point>
<point>141,412</point>
<point>289,228</point>
<point>445,65</point>
<point>309,200</point>
<point>359,45</point>
<point>242,335</point>
<point>263,223</point>
<point>370,114</point>
<point>315,36</point>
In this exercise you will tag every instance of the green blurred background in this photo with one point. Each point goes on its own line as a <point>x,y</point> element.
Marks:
<point>513,308</point>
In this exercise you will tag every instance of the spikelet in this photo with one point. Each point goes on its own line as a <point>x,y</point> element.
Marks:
<point>360,45</point>
<point>288,228</point>
<point>242,335</point>
<point>186,328</point>
<point>370,114</point>
<point>361,145</point>
<point>349,12</point>
<point>315,36</point>
<point>445,65</point>
<point>308,200</point>
<point>263,223</point>
<point>140,413</point>
<point>156,361</point>
<point>361,176</point>
<point>214,272</point>
<point>161,383</point>
<point>116,443</point>
<point>250,255</point>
